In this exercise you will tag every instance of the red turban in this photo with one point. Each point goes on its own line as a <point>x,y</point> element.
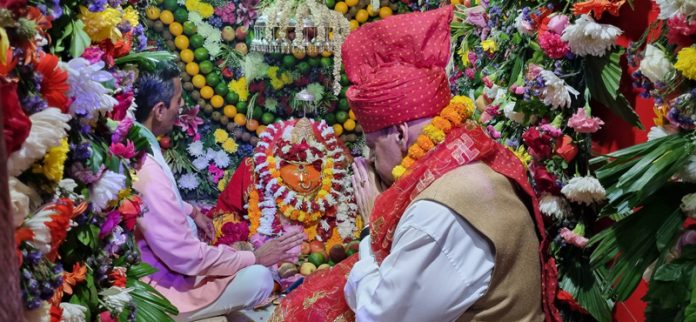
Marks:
<point>397,67</point>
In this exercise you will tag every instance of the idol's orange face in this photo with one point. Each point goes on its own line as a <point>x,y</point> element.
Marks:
<point>301,178</point>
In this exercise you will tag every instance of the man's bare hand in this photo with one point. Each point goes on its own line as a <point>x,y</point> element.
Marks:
<point>204,223</point>
<point>277,249</point>
<point>366,187</point>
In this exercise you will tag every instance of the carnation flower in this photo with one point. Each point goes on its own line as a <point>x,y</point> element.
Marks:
<point>556,92</point>
<point>553,45</point>
<point>73,312</point>
<point>554,206</point>
<point>106,189</point>
<point>584,190</point>
<point>544,181</point>
<point>122,130</point>
<point>538,143</point>
<point>587,37</point>
<point>581,122</point>
<point>188,181</point>
<point>195,149</point>
<point>681,30</point>
<point>572,238</point>
<point>686,62</point>
<point>655,65</point>
<point>90,96</point>
<point>115,298</point>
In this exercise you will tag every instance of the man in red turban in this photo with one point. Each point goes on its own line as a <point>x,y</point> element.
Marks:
<point>457,236</point>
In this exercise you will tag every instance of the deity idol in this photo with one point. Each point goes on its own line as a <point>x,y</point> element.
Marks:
<point>297,179</point>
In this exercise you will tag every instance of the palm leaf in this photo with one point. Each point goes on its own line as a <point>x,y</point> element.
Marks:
<point>585,286</point>
<point>146,59</point>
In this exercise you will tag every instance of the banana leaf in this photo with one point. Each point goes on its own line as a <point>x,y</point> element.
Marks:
<point>148,60</point>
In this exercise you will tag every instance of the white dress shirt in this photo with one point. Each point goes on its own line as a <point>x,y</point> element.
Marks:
<point>438,267</point>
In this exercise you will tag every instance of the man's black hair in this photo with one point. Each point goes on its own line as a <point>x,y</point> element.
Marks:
<point>154,87</point>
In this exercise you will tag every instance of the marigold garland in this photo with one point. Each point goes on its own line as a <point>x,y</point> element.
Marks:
<point>254,212</point>
<point>453,115</point>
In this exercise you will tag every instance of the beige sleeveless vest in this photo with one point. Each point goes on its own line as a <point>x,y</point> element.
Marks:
<point>489,202</point>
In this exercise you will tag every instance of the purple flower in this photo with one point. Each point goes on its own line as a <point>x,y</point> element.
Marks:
<point>139,33</point>
<point>122,130</point>
<point>118,238</point>
<point>33,104</point>
<point>112,219</point>
<point>97,5</point>
<point>125,26</point>
<point>85,174</point>
<point>470,73</point>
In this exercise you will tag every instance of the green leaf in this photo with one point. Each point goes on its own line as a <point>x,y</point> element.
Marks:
<point>668,273</point>
<point>690,311</point>
<point>516,71</point>
<point>67,31</point>
<point>603,75</point>
<point>147,59</point>
<point>80,39</point>
<point>140,270</point>
<point>578,279</point>
<point>89,236</point>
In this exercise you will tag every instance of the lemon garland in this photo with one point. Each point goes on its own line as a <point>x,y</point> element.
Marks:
<point>452,116</point>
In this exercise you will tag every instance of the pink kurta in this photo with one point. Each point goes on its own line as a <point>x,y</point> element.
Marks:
<point>191,274</point>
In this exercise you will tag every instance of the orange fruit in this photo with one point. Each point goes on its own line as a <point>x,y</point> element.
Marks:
<point>176,28</point>
<point>198,80</point>
<point>181,42</point>
<point>192,69</point>
<point>354,24</point>
<point>152,12</point>
<point>371,11</point>
<point>351,115</point>
<point>217,101</point>
<point>299,54</point>
<point>252,125</point>
<point>230,111</point>
<point>207,92</point>
<point>186,55</point>
<point>352,3</point>
<point>338,129</point>
<point>385,12</point>
<point>341,7</point>
<point>361,16</point>
<point>326,53</point>
<point>240,119</point>
<point>166,17</point>
<point>261,129</point>
<point>349,125</point>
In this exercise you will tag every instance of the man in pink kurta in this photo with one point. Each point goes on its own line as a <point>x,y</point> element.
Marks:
<point>199,279</point>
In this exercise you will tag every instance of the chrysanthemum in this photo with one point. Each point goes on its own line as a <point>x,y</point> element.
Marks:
<point>73,312</point>
<point>106,189</point>
<point>230,146</point>
<point>200,163</point>
<point>53,162</point>
<point>188,181</point>
<point>554,206</point>
<point>116,298</point>
<point>587,37</point>
<point>686,62</point>
<point>196,149</point>
<point>90,96</point>
<point>221,159</point>
<point>556,92</point>
<point>101,25</point>
<point>584,190</point>
<point>240,87</point>
<point>48,128</point>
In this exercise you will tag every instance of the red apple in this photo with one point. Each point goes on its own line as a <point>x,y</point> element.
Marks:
<point>165,142</point>
<point>242,32</point>
<point>316,246</point>
<point>241,48</point>
<point>228,33</point>
<point>305,249</point>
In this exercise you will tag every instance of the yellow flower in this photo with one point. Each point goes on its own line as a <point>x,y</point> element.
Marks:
<point>435,134</point>
<point>334,240</point>
<point>54,162</point>
<point>230,146</point>
<point>4,45</point>
<point>285,77</point>
<point>521,153</point>
<point>465,56</point>
<point>131,15</point>
<point>222,184</point>
<point>273,72</point>
<point>489,45</point>
<point>686,62</point>
<point>101,25</point>
<point>220,135</point>
<point>398,171</point>
<point>124,193</point>
<point>277,83</point>
<point>204,9</point>
<point>311,232</point>
<point>240,87</point>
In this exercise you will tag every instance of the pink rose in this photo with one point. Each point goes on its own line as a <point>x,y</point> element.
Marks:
<point>582,123</point>
<point>558,23</point>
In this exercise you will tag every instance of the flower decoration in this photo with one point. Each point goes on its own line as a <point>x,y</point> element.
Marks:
<point>86,88</point>
<point>54,82</point>
<point>587,37</point>
<point>686,62</point>
<point>189,122</point>
<point>582,122</point>
<point>586,190</point>
<point>655,65</point>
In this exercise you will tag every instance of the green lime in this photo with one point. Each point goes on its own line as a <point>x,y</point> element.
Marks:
<point>242,107</point>
<point>232,98</point>
<point>206,67</point>
<point>303,67</point>
<point>344,79</point>
<point>341,116</point>
<point>212,79</point>
<point>189,28</point>
<point>196,41</point>
<point>331,263</point>
<point>171,5</point>
<point>267,118</point>
<point>201,54</point>
<point>343,105</point>
<point>288,61</point>
<point>330,3</point>
<point>330,119</point>
<point>316,258</point>
<point>221,89</point>
<point>314,61</point>
<point>181,15</point>
<point>277,119</point>
<point>326,62</point>
<point>344,89</point>
<point>257,113</point>
<point>350,252</point>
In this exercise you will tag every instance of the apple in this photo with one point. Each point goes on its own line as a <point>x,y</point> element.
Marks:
<point>241,48</point>
<point>228,33</point>
<point>304,249</point>
<point>316,247</point>
<point>242,32</point>
<point>337,253</point>
<point>307,268</point>
<point>165,142</point>
<point>323,266</point>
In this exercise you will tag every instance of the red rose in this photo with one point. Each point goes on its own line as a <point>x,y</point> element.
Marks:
<point>17,124</point>
<point>538,143</point>
<point>545,181</point>
<point>565,148</point>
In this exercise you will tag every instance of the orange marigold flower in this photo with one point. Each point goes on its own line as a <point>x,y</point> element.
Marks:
<point>407,162</point>
<point>425,143</point>
<point>442,124</point>
<point>415,152</point>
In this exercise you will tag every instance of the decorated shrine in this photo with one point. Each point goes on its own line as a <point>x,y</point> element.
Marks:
<point>276,156</point>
